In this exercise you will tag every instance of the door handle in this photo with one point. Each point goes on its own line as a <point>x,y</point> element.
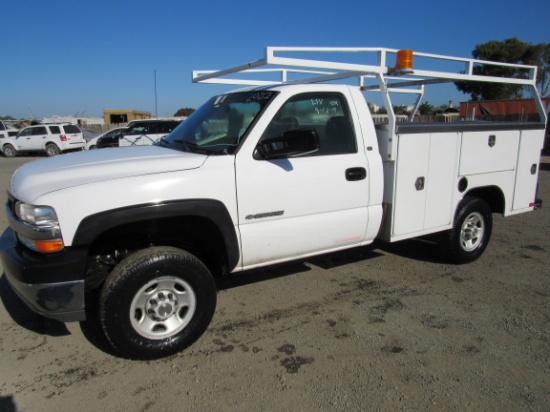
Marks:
<point>356,173</point>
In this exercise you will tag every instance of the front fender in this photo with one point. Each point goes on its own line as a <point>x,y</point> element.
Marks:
<point>93,226</point>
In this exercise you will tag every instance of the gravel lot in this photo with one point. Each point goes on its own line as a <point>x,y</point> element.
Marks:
<point>388,327</point>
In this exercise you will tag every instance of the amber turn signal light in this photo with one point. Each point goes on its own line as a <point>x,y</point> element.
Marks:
<point>48,246</point>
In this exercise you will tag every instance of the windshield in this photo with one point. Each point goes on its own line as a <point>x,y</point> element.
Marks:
<point>219,126</point>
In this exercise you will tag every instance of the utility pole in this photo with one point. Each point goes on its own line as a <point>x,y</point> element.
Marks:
<point>156,109</point>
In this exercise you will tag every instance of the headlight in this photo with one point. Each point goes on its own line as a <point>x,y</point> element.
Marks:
<point>36,215</point>
<point>40,231</point>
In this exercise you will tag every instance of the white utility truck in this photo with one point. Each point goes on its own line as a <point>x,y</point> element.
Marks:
<point>281,170</point>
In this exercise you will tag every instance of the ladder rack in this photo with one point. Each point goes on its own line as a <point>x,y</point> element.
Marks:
<point>382,76</point>
<point>335,70</point>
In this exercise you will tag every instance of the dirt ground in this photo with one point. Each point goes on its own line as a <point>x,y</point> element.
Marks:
<point>388,327</point>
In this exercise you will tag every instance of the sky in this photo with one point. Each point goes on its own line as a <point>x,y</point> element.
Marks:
<point>76,58</point>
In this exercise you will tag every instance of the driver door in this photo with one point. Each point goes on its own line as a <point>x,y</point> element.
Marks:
<point>294,207</point>
<point>31,138</point>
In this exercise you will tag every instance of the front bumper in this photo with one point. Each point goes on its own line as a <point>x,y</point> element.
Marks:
<point>52,286</point>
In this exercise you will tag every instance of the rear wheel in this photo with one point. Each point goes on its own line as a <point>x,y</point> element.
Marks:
<point>471,231</point>
<point>9,151</point>
<point>52,150</point>
<point>156,302</point>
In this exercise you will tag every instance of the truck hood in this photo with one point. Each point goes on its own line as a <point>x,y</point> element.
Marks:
<point>37,178</point>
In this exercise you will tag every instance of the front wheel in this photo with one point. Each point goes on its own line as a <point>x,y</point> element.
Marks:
<point>9,151</point>
<point>156,302</point>
<point>471,231</point>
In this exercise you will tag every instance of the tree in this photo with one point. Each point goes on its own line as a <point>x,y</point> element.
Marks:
<point>184,112</point>
<point>400,110</point>
<point>543,79</point>
<point>508,51</point>
<point>425,109</point>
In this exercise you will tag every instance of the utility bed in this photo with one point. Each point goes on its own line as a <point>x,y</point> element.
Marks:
<point>436,163</point>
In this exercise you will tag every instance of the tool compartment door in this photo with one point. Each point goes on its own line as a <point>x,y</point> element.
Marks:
<point>425,179</point>
<point>488,151</point>
<point>530,145</point>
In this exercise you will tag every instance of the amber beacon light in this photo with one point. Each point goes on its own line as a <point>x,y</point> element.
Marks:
<point>404,61</point>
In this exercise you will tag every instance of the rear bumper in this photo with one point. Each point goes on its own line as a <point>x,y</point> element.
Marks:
<point>52,286</point>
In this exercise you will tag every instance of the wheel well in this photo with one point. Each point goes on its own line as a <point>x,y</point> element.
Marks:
<point>197,235</point>
<point>492,195</point>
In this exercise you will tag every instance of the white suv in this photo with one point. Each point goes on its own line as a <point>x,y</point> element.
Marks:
<point>51,138</point>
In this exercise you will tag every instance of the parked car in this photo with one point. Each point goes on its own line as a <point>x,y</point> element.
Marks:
<point>89,134</point>
<point>107,139</point>
<point>50,138</point>
<point>147,132</point>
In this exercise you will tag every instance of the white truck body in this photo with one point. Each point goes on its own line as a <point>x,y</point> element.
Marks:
<point>280,171</point>
<point>443,158</point>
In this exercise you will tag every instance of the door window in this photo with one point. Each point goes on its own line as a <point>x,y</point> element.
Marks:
<point>138,129</point>
<point>37,131</point>
<point>153,128</point>
<point>326,113</point>
<point>167,127</point>
<point>26,132</point>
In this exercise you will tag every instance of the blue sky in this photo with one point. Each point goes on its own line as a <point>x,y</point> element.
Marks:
<point>63,57</point>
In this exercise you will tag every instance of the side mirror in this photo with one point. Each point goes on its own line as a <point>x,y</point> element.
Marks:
<point>293,143</point>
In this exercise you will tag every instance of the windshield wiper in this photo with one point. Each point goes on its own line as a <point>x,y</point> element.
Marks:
<point>192,147</point>
<point>162,142</point>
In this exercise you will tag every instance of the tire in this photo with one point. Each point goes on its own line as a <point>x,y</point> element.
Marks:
<point>156,302</point>
<point>52,150</point>
<point>9,151</point>
<point>471,231</point>
<point>92,147</point>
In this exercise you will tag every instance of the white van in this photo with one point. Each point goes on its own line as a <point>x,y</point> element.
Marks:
<point>146,132</point>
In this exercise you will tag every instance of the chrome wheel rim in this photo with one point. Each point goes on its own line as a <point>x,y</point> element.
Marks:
<point>50,151</point>
<point>472,231</point>
<point>162,308</point>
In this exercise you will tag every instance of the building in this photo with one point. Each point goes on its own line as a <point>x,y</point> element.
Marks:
<point>79,121</point>
<point>112,116</point>
<point>511,110</point>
